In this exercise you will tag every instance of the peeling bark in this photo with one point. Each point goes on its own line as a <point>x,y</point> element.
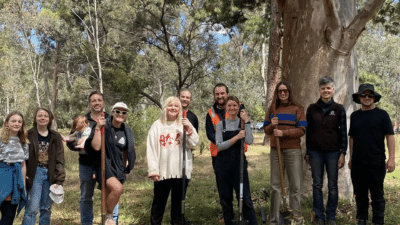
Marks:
<point>318,40</point>
<point>274,52</point>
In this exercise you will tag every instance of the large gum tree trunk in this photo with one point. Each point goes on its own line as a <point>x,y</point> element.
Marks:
<point>318,40</point>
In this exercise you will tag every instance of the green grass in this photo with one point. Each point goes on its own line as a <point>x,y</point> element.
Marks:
<point>202,203</point>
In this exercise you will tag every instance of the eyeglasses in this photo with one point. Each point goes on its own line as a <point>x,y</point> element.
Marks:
<point>365,95</point>
<point>119,112</point>
<point>285,91</point>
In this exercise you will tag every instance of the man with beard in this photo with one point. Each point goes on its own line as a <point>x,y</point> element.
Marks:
<point>88,161</point>
<point>215,114</point>
<point>369,126</point>
<point>185,96</point>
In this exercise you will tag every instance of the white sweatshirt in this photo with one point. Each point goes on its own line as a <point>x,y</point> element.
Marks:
<point>164,150</point>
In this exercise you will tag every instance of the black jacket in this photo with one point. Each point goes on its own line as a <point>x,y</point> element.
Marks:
<point>210,131</point>
<point>114,163</point>
<point>326,129</point>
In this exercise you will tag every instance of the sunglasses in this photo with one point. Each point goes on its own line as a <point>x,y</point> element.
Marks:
<point>365,95</point>
<point>119,112</point>
<point>285,91</point>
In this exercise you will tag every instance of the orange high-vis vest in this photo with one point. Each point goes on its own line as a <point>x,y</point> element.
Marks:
<point>215,120</point>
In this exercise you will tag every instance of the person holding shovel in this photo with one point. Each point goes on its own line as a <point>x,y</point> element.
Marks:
<point>227,163</point>
<point>164,158</point>
<point>89,160</point>
<point>120,154</point>
<point>326,142</point>
<point>285,123</point>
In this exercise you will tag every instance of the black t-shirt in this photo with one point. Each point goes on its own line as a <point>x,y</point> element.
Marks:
<point>44,143</point>
<point>368,129</point>
<point>193,120</point>
<point>119,138</point>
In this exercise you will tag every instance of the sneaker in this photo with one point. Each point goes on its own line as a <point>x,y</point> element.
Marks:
<point>110,220</point>
<point>362,222</point>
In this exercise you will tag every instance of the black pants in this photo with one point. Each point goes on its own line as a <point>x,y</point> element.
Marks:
<point>369,178</point>
<point>7,213</point>
<point>161,193</point>
<point>227,167</point>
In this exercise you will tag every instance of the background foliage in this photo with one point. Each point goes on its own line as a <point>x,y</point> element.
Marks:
<point>150,49</point>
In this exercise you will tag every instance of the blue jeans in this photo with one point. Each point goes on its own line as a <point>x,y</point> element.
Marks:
<point>86,202</point>
<point>320,161</point>
<point>38,197</point>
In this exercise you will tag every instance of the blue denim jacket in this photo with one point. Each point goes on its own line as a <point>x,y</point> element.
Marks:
<point>12,183</point>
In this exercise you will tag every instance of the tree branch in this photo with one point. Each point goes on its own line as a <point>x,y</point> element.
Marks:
<point>155,101</point>
<point>332,17</point>
<point>366,13</point>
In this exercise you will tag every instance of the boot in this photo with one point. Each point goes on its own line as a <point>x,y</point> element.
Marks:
<point>362,222</point>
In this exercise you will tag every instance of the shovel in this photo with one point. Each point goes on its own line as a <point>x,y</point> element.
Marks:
<point>284,212</point>
<point>183,173</point>
<point>103,175</point>
<point>241,219</point>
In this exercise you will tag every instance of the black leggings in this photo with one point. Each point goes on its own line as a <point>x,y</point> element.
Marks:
<point>7,213</point>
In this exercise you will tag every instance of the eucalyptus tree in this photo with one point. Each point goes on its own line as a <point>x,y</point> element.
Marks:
<point>160,34</point>
<point>22,18</point>
<point>378,61</point>
<point>14,91</point>
<point>318,40</point>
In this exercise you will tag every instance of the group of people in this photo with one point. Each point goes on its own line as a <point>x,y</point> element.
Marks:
<point>34,160</point>
<point>30,163</point>
<point>326,144</point>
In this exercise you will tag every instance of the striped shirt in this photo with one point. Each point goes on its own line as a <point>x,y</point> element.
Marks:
<point>292,122</point>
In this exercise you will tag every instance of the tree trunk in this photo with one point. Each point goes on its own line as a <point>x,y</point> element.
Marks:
<point>46,89</point>
<point>8,105</point>
<point>273,56</point>
<point>36,82</point>
<point>55,85</point>
<point>97,47</point>
<point>318,40</point>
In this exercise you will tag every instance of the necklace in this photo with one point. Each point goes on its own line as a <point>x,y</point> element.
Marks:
<point>115,132</point>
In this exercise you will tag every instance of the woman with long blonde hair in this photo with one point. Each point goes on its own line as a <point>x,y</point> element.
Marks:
<point>164,157</point>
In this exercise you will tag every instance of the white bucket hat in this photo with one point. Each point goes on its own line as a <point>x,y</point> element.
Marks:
<point>57,193</point>
<point>120,105</point>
